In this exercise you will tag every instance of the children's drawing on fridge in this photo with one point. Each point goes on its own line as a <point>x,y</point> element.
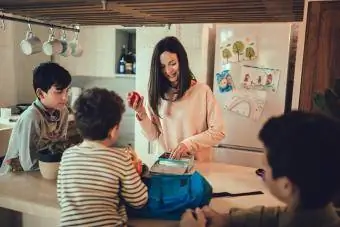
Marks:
<point>237,50</point>
<point>259,78</point>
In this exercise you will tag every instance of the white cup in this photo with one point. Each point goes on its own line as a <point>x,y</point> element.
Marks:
<point>31,44</point>
<point>77,50</point>
<point>67,50</point>
<point>5,113</point>
<point>52,46</point>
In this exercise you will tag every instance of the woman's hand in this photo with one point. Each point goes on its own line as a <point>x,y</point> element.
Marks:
<point>135,101</point>
<point>180,151</point>
<point>193,219</point>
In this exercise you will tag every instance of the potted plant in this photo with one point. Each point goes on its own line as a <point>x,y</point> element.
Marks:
<point>49,159</point>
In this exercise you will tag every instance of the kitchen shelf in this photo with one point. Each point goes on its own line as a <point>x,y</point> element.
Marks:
<point>122,38</point>
<point>131,76</point>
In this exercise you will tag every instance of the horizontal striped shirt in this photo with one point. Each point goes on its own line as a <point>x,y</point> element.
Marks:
<point>93,184</point>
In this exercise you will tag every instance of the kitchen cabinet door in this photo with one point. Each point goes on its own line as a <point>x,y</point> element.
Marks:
<point>321,58</point>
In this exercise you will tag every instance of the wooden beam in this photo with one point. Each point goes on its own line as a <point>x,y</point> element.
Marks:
<point>273,5</point>
<point>160,11</point>
<point>115,7</point>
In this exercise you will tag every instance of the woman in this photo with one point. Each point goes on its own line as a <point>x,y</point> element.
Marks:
<point>185,117</point>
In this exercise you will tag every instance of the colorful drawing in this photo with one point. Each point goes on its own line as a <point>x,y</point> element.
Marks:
<point>226,54</point>
<point>247,103</point>
<point>250,50</point>
<point>224,81</point>
<point>259,78</point>
<point>250,53</point>
<point>237,50</point>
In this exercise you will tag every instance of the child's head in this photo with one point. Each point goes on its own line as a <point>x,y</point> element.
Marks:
<point>51,83</point>
<point>98,113</point>
<point>302,160</point>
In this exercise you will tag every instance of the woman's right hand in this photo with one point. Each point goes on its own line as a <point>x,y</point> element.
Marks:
<point>135,101</point>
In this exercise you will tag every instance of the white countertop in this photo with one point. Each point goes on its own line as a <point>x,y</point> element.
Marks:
<point>6,121</point>
<point>31,194</point>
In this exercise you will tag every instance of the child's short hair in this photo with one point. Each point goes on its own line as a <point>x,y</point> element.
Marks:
<point>304,147</point>
<point>97,111</point>
<point>48,74</point>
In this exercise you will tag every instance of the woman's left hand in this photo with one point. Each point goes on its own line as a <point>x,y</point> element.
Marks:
<point>180,151</point>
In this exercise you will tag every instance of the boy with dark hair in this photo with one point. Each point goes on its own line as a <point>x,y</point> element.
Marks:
<point>94,179</point>
<point>302,166</point>
<point>41,124</point>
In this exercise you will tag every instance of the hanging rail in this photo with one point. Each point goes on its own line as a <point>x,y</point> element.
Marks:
<point>31,21</point>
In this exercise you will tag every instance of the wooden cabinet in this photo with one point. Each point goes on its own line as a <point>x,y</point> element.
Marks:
<point>321,58</point>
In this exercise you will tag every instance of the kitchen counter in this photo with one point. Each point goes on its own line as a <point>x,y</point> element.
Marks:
<point>12,120</point>
<point>30,194</point>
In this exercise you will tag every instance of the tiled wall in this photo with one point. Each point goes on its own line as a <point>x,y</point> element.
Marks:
<point>195,39</point>
<point>8,94</point>
<point>122,86</point>
<point>15,67</point>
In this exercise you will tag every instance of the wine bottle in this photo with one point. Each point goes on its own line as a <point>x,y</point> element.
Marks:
<point>121,61</point>
<point>134,64</point>
<point>128,63</point>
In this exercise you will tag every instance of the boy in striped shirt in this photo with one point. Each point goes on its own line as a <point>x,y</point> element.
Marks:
<point>95,180</point>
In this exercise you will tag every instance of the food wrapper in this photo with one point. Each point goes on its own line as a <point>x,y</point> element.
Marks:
<point>134,159</point>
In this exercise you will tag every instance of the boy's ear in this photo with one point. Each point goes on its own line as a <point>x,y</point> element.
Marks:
<point>286,186</point>
<point>113,131</point>
<point>40,93</point>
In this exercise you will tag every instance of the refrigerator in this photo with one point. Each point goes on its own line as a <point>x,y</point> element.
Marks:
<point>250,79</point>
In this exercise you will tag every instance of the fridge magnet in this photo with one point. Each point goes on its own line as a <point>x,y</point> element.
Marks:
<point>258,78</point>
<point>247,103</point>
<point>224,81</point>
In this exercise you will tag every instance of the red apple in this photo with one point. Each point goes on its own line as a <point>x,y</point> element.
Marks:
<point>139,167</point>
<point>135,97</point>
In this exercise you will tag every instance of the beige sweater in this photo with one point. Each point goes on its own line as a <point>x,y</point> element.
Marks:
<point>194,120</point>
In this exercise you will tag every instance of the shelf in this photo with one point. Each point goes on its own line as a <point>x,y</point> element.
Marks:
<point>131,76</point>
<point>124,37</point>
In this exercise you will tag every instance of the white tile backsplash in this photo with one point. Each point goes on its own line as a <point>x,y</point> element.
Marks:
<point>15,67</point>
<point>121,86</point>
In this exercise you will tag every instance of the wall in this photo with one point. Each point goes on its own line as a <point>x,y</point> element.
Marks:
<point>100,50</point>
<point>23,65</point>
<point>8,90</point>
<point>15,67</point>
<point>122,86</point>
<point>195,38</point>
<point>96,68</point>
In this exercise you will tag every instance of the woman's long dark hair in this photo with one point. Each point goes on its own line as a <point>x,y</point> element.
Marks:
<point>158,83</point>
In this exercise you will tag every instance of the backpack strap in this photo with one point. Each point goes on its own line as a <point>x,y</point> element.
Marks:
<point>228,194</point>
